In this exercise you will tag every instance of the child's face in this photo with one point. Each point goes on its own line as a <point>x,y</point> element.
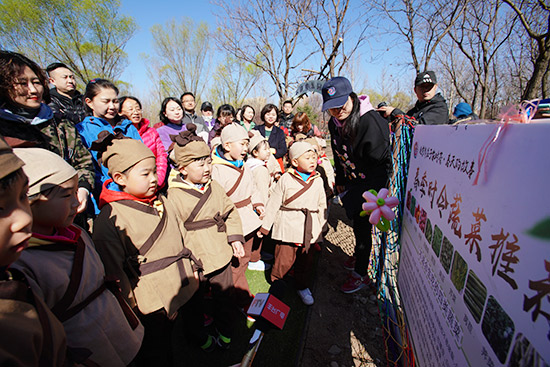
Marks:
<point>15,220</point>
<point>236,150</point>
<point>141,180</point>
<point>197,172</point>
<point>104,104</point>
<point>263,152</point>
<point>306,163</point>
<point>57,209</point>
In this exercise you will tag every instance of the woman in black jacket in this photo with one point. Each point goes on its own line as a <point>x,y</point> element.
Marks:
<point>274,135</point>
<point>360,140</point>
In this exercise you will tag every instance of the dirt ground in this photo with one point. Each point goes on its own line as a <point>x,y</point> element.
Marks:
<point>343,330</point>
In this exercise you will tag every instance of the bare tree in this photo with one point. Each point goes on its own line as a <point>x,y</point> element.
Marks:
<point>535,18</point>
<point>233,80</point>
<point>181,60</point>
<point>89,37</point>
<point>479,35</point>
<point>265,33</point>
<point>422,24</point>
<point>330,20</point>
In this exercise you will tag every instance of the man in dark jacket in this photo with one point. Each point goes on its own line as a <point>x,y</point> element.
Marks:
<point>286,116</point>
<point>430,109</point>
<point>66,101</point>
<point>189,115</point>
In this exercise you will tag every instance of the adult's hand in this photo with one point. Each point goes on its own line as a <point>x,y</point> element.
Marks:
<point>82,195</point>
<point>387,110</point>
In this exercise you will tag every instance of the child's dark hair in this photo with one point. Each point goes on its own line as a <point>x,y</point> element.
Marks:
<point>95,86</point>
<point>122,99</point>
<point>7,182</point>
<point>11,65</point>
<point>226,110</point>
<point>162,116</point>
<point>254,152</point>
<point>268,108</point>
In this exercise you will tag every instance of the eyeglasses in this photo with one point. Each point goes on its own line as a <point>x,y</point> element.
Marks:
<point>132,110</point>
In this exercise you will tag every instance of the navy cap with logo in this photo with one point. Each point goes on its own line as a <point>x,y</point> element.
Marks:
<point>336,92</point>
<point>425,77</point>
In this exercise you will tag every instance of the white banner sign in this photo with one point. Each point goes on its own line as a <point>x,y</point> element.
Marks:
<point>474,273</point>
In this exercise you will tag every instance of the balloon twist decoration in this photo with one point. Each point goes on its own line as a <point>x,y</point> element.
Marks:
<point>379,206</point>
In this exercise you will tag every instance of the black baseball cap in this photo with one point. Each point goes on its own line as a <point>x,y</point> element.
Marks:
<point>336,92</point>
<point>425,77</point>
<point>207,106</point>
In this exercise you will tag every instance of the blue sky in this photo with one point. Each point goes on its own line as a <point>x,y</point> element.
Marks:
<point>146,14</point>
<point>151,12</point>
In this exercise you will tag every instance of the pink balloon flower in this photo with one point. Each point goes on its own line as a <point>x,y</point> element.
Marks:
<point>379,205</point>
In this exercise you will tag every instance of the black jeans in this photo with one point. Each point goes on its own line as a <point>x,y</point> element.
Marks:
<point>362,229</point>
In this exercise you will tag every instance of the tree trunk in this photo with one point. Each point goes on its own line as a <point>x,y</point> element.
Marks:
<point>540,70</point>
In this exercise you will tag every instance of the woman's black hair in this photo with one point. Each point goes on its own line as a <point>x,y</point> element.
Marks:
<point>123,99</point>
<point>165,120</point>
<point>352,122</point>
<point>226,110</point>
<point>94,87</point>
<point>11,65</point>
<point>268,108</point>
<point>244,110</point>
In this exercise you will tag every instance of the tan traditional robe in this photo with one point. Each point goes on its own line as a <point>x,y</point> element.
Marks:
<point>238,184</point>
<point>142,245</point>
<point>67,277</point>
<point>296,209</point>
<point>210,228</point>
<point>30,335</point>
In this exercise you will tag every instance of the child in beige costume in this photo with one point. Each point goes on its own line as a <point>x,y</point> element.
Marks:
<point>296,210</point>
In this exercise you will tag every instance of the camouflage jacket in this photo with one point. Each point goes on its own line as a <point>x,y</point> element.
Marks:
<point>55,134</point>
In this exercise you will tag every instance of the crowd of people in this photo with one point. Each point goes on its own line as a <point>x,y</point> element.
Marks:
<point>113,226</point>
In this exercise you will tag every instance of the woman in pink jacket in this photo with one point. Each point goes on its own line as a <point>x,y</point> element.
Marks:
<point>130,107</point>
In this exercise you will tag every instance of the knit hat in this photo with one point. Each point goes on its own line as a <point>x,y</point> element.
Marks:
<point>233,132</point>
<point>313,142</point>
<point>298,149</point>
<point>462,110</point>
<point>119,153</point>
<point>44,169</point>
<point>255,139</point>
<point>188,147</point>
<point>321,142</point>
<point>9,162</point>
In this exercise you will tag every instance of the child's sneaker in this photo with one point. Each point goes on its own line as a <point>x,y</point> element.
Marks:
<point>305,295</point>
<point>250,321</point>
<point>210,344</point>
<point>349,264</point>
<point>355,283</point>
<point>223,341</point>
<point>258,266</point>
